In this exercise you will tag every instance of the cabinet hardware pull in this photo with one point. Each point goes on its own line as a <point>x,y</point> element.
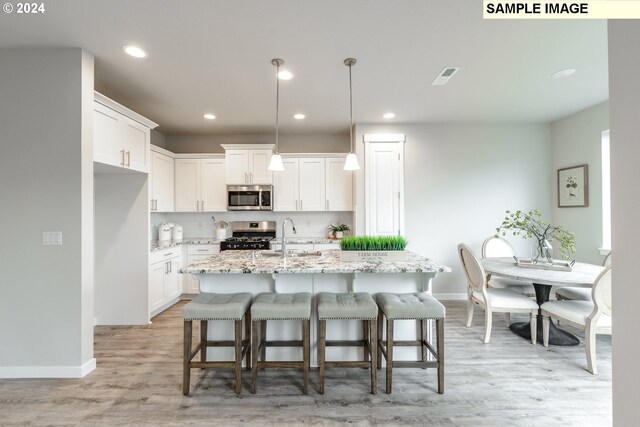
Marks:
<point>296,205</point>
<point>202,250</point>
<point>202,205</point>
<point>300,204</point>
<point>251,177</point>
<point>128,159</point>
<point>169,254</point>
<point>156,204</point>
<point>122,154</point>
<point>246,178</point>
<point>170,266</point>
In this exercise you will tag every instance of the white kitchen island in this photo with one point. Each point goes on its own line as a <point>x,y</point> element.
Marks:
<point>313,272</point>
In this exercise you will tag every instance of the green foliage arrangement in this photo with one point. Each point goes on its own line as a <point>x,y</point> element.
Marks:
<point>373,243</point>
<point>530,224</point>
<point>339,227</point>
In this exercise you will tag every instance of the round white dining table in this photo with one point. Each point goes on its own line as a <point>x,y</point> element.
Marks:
<point>543,280</point>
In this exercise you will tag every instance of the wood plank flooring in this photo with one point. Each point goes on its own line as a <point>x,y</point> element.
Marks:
<point>138,378</point>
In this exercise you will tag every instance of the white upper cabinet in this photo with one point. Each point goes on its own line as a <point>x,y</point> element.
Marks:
<point>162,176</point>
<point>339,185</point>
<point>248,164</point>
<point>285,186</point>
<point>200,185</point>
<point>122,138</point>
<point>312,184</point>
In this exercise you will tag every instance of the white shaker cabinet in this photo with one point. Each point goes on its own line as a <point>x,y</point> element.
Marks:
<point>161,178</point>
<point>122,138</point>
<point>197,253</point>
<point>339,185</point>
<point>164,279</point>
<point>286,186</point>
<point>200,185</point>
<point>312,184</point>
<point>248,165</point>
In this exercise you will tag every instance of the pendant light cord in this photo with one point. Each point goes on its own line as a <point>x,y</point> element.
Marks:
<point>277,103</point>
<point>350,112</point>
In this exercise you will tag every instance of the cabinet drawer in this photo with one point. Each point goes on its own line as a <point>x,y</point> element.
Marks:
<point>203,249</point>
<point>165,255</point>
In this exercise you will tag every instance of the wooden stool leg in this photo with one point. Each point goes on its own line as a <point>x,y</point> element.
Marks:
<point>306,353</point>
<point>203,341</point>
<point>389,354</point>
<point>322,337</point>
<point>423,339</point>
<point>380,326</point>
<point>238,360</point>
<point>255,337</point>
<point>263,340</point>
<point>247,338</point>
<point>186,373</point>
<point>440,350</point>
<point>373,346</point>
<point>365,340</point>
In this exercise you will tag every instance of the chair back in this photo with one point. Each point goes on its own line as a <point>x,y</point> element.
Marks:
<point>607,260</point>
<point>473,270</point>
<point>601,292</point>
<point>495,246</point>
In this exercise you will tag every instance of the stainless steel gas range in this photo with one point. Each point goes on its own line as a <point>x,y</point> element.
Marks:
<point>249,235</point>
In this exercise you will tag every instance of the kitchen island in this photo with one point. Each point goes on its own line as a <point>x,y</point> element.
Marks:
<point>313,272</point>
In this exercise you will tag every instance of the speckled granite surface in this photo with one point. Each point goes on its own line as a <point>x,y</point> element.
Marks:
<point>242,262</point>
<point>157,245</point>
<point>305,240</point>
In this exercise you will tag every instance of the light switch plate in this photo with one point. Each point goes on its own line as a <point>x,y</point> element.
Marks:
<point>52,238</point>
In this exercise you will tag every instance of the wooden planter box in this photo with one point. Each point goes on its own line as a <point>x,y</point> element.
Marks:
<point>375,256</point>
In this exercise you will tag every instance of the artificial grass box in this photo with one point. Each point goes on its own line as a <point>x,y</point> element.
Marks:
<point>373,248</point>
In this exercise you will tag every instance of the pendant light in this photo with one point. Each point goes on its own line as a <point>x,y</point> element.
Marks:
<point>276,159</point>
<point>351,162</point>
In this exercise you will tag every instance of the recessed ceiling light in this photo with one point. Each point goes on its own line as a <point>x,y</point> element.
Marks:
<point>298,116</point>
<point>563,73</point>
<point>134,51</point>
<point>285,75</point>
<point>209,116</point>
<point>388,115</point>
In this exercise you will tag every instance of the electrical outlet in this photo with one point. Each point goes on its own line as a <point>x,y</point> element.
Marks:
<point>52,238</point>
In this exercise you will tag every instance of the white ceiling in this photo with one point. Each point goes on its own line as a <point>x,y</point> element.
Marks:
<point>215,56</point>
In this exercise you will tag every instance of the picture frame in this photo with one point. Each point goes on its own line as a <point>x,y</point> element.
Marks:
<point>573,187</point>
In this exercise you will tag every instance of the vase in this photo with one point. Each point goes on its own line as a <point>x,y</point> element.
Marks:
<point>542,252</point>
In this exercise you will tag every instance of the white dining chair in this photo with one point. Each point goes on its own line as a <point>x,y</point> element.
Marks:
<point>594,317</point>
<point>577,292</point>
<point>495,246</point>
<point>492,300</point>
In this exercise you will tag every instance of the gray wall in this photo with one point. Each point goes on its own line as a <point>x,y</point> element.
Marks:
<point>158,139</point>
<point>313,143</point>
<point>46,184</point>
<point>624,105</point>
<point>576,140</point>
<point>459,181</point>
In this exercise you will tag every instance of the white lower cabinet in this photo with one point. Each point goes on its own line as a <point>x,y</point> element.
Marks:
<point>164,280</point>
<point>197,253</point>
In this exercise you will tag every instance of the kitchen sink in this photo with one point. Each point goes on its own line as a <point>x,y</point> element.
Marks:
<point>292,254</point>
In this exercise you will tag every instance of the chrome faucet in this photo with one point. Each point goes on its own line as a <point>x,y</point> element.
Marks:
<point>284,241</point>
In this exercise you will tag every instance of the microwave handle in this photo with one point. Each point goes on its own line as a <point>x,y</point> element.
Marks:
<point>260,198</point>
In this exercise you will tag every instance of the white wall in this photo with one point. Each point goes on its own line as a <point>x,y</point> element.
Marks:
<point>624,105</point>
<point>46,184</point>
<point>576,140</point>
<point>459,181</point>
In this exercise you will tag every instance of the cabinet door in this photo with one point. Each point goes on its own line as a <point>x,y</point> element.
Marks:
<point>136,143</point>
<point>237,166</point>
<point>172,286</point>
<point>339,185</point>
<point>157,272</point>
<point>258,167</point>
<point>161,182</point>
<point>285,186</point>
<point>383,183</point>
<point>312,185</point>
<point>107,136</point>
<point>214,187</point>
<point>188,186</point>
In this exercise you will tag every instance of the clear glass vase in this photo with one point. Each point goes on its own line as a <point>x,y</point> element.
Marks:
<point>542,252</point>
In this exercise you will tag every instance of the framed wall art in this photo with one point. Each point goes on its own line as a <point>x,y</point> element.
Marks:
<point>573,187</point>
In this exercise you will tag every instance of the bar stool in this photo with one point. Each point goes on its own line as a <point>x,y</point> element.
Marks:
<point>206,307</point>
<point>274,306</point>
<point>348,306</point>
<point>416,306</point>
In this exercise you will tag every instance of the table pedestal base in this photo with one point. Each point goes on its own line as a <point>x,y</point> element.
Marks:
<point>556,336</point>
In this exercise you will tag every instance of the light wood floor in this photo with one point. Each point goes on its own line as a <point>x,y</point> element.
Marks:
<point>505,383</point>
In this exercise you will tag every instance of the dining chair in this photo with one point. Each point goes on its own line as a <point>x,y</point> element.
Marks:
<point>577,292</point>
<point>594,317</point>
<point>492,300</point>
<point>496,246</point>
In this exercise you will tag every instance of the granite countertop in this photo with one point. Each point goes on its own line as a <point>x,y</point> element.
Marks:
<point>305,240</point>
<point>157,245</point>
<point>243,262</point>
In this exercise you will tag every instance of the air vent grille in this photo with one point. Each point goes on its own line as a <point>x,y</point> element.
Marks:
<point>445,75</point>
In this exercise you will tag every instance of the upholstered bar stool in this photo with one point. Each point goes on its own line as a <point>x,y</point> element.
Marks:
<point>208,307</point>
<point>416,306</point>
<point>348,306</point>
<point>274,306</point>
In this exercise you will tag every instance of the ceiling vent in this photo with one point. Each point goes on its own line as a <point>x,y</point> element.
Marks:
<point>444,77</point>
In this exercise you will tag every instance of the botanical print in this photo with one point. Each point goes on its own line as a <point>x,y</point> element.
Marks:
<point>573,190</point>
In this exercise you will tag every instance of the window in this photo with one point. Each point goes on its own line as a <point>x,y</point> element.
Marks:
<point>606,195</point>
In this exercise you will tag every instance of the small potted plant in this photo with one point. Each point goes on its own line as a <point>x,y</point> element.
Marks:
<point>338,230</point>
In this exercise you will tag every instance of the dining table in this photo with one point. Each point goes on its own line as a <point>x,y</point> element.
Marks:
<point>581,274</point>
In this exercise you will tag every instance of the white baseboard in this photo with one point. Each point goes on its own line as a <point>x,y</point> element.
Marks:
<point>450,297</point>
<point>48,371</point>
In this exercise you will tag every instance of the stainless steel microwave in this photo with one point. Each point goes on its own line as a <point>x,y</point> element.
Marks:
<point>250,197</point>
